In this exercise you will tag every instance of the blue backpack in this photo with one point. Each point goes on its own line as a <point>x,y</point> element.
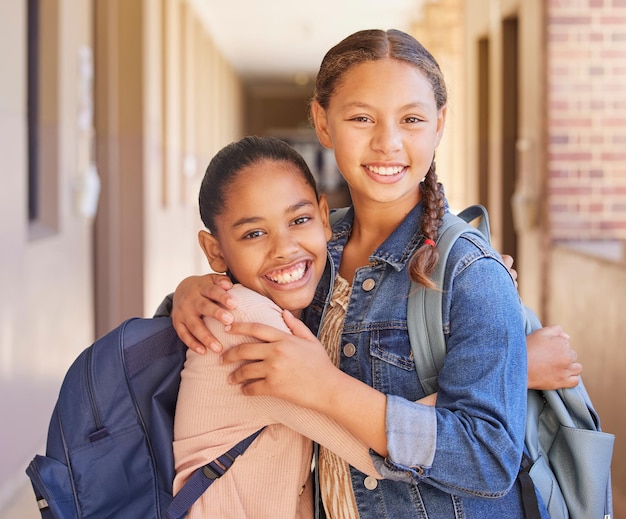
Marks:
<point>568,457</point>
<point>109,449</point>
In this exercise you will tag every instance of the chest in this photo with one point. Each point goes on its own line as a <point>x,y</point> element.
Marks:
<point>374,344</point>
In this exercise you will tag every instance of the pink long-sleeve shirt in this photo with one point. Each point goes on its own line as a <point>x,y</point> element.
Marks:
<point>273,477</point>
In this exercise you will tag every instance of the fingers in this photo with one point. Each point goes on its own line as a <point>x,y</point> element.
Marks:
<point>198,296</point>
<point>552,363</point>
<point>575,369</point>
<point>555,330</point>
<point>297,327</point>
<point>572,371</point>
<point>254,376</point>
<point>188,338</point>
<point>508,263</point>
<point>215,299</point>
<point>250,351</point>
<point>195,336</point>
<point>248,373</point>
<point>262,332</point>
<point>203,337</point>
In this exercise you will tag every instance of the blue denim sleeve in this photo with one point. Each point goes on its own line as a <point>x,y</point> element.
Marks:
<point>411,440</point>
<point>481,404</point>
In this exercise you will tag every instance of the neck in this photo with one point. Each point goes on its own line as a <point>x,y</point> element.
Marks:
<point>374,221</point>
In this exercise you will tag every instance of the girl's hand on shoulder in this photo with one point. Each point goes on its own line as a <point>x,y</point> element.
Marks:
<point>552,363</point>
<point>198,296</point>
<point>292,367</point>
<point>508,262</point>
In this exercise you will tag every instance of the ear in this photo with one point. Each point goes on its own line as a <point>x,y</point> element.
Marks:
<point>320,122</point>
<point>441,122</point>
<point>325,212</point>
<point>212,251</point>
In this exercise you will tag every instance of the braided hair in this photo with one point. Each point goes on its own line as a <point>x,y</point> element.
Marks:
<point>373,45</point>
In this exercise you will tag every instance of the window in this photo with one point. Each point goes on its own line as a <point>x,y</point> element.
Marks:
<point>42,118</point>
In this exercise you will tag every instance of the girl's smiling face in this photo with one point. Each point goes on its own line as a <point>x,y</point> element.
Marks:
<point>384,124</point>
<point>271,234</point>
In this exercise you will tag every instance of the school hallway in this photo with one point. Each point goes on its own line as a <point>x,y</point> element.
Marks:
<point>111,110</point>
<point>22,504</point>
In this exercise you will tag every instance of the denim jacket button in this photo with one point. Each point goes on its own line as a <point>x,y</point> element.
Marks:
<point>368,284</point>
<point>370,483</point>
<point>349,350</point>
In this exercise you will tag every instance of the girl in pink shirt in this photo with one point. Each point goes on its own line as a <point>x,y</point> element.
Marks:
<point>268,230</point>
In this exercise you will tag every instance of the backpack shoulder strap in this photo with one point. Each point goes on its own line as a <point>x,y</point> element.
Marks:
<point>424,320</point>
<point>204,477</point>
<point>337,214</point>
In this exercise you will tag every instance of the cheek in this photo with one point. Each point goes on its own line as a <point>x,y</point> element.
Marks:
<point>322,248</point>
<point>242,264</point>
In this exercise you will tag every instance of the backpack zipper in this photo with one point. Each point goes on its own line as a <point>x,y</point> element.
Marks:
<point>101,431</point>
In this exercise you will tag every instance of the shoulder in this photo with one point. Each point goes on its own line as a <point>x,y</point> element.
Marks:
<point>469,246</point>
<point>248,299</point>
<point>472,252</point>
<point>255,307</point>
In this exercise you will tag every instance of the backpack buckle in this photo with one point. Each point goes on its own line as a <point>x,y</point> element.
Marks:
<point>218,467</point>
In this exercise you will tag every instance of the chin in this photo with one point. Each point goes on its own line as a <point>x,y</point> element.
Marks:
<point>295,305</point>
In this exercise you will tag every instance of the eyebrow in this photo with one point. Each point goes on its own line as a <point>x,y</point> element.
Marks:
<point>409,106</point>
<point>255,219</point>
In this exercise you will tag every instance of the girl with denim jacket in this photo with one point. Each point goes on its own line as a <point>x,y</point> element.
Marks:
<point>380,102</point>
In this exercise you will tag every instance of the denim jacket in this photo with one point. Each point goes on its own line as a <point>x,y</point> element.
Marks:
<point>460,459</point>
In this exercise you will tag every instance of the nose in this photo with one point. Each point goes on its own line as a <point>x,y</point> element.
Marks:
<point>387,138</point>
<point>284,244</point>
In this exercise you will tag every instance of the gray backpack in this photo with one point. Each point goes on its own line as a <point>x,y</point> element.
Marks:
<point>568,457</point>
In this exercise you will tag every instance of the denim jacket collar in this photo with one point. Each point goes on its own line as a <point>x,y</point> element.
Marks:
<point>396,250</point>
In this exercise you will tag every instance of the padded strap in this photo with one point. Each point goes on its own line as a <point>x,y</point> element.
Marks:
<point>471,213</point>
<point>424,316</point>
<point>204,477</point>
<point>337,214</point>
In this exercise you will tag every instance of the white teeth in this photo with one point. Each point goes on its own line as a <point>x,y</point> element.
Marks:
<point>385,171</point>
<point>288,276</point>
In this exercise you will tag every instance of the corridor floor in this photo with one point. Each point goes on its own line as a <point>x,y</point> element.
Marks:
<point>23,505</point>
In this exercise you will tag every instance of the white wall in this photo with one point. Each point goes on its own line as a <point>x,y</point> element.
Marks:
<point>46,313</point>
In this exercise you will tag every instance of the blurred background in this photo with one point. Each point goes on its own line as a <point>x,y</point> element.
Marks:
<point>110,111</point>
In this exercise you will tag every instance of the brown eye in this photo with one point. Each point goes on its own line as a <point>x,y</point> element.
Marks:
<point>253,234</point>
<point>301,219</point>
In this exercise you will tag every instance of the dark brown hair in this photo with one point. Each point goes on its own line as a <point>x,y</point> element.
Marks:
<point>373,45</point>
<point>226,165</point>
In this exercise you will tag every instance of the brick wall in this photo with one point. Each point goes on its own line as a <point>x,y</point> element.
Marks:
<point>586,107</point>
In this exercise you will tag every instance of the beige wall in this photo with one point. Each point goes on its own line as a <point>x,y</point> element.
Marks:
<point>446,46</point>
<point>46,314</point>
<point>484,23</point>
<point>186,103</point>
<point>577,289</point>
<point>164,106</point>
<point>194,105</point>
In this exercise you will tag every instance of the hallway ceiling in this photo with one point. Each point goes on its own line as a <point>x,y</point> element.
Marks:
<point>285,40</point>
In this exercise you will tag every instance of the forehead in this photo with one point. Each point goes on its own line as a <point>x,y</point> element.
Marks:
<point>283,179</point>
<point>385,78</point>
<point>265,170</point>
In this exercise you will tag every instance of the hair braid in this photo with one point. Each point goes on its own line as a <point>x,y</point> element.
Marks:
<point>425,258</point>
